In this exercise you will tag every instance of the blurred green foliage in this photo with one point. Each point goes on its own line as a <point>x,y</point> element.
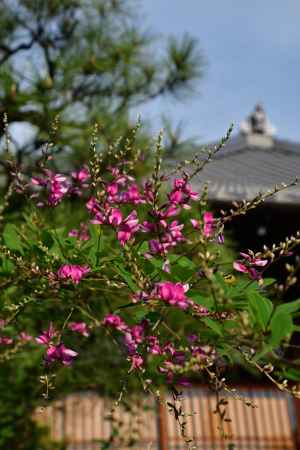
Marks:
<point>86,61</point>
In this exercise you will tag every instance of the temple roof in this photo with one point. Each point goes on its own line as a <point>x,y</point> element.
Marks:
<point>252,161</point>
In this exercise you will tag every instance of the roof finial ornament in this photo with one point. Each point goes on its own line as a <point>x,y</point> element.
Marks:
<point>257,123</point>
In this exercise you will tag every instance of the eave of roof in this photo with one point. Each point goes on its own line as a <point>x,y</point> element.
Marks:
<point>249,164</point>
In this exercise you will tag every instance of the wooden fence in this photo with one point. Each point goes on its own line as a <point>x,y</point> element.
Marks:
<point>81,421</point>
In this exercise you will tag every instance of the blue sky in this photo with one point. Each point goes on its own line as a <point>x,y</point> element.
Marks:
<point>252,49</point>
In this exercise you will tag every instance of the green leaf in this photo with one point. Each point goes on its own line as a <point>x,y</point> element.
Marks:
<point>7,266</point>
<point>47,239</point>
<point>269,281</point>
<point>261,308</point>
<point>208,302</point>
<point>292,374</point>
<point>231,324</point>
<point>126,276</point>
<point>290,307</point>
<point>12,239</point>
<point>152,316</point>
<point>281,326</point>
<point>185,262</point>
<point>215,326</point>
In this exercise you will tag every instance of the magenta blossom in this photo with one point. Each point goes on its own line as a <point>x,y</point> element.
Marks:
<point>73,271</point>
<point>93,205</point>
<point>208,224</point>
<point>134,336</point>
<point>61,354</point>
<point>183,381</point>
<point>112,189</point>
<point>81,175</point>
<point>208,220</point>
<point>82,234</point>
<point>153,345</point>
<point>136,362</point>
<point>46,337</point>
<point>249,265</point>
<point>79,327</point>
<point>182,193</point>
<point>5,340</point>
<point>173,294</point>
<point>171,235</point>
<point>132,195</point>
<point>114,321</point>
<point>127,228</point>
<point>25,337</point>
<point>115,217</point>
<point>56,183</point>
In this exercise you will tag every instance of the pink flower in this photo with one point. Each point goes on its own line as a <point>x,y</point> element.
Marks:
<point>148,192</point>
<point>169,348</point>
<point>136,362</point>
<point>170,211</point>
<point>24,337</point>
<point>208,224</point>
<point>153,345</point>
<point>130,344</point>
<point>166,267</point>
<point>169,238</point>
<point>137,332</point>
<point>46,337</point>
<point>5,340</point>
<point>56,183</point>
<point>192,338</point>
<point>199,352</point>
<point>179,183</point>
<point>176,197</point>
<point>249,264</point>
<point>148,227</point>
<point>135,336</point>
<point>115,217</point>
<point>59,187</point>
<point>208,220</point>
<point>79,327</point>
<point>114,321</point>
<point>196,224</point>
<point>93,205</point>
<point>182,193</point>
<point>173,294</point>
<point>155,247</point>
<point>120,178</point>
<point>38,181</point>
<point>220,239</point>
<point>127,228</point>
<point>132,195</point>
<point>183,381</point>
<point>60,353</point>
<point>82,234</point>
<point>112,189</point>
<point>73,271</point>
<point>81,175</point>
<point>179,357</point>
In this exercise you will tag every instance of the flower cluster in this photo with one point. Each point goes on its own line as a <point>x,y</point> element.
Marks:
<point>165,266</point>
<point>249,264</point>
<point>73,272</point>
<point>56,351</point>
<point>141,344</point>
<point>58,186</point>
<point>172,294</point>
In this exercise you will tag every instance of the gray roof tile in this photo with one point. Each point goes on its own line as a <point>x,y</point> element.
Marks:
<point>248,165</point>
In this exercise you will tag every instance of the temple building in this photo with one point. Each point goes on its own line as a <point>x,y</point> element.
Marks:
<point>255,160</point>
